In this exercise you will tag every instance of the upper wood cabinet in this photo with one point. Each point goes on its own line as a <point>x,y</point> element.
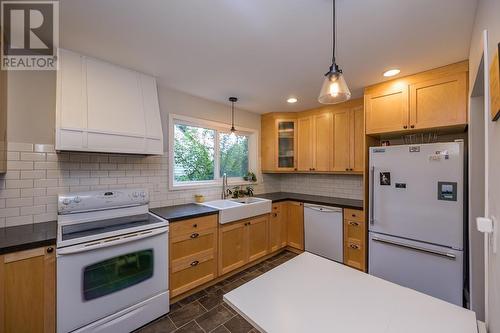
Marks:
<point>387,111</point>
<point>315,142</point>
<point>357,142</point>
<point>439,102</point>
<point>286,144</point>
<point>92,95</point>
<point>428,100</point>
<point>348,138</point>
<point>322,146</point>
<point>320,140</point>
<point>305,144</point>
<point>27,287</point>
<point>341,135</point>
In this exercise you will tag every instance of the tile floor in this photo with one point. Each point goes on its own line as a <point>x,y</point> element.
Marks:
<point>206,312</point>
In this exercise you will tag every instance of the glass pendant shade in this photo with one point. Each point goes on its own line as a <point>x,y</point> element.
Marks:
<point>334,89</point>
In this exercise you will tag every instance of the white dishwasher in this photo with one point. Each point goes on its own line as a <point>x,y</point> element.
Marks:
<point>323,231</point>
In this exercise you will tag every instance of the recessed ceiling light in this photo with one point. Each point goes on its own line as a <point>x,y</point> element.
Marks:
<point>292,100</point>
<point>391,72</point>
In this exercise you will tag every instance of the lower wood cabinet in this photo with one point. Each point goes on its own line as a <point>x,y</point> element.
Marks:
<point>295,224</point>
<point>242,242</point>
<point>28,291</point>
<point>355,239</point>
<point>193,253</point>
<point>278,226</point>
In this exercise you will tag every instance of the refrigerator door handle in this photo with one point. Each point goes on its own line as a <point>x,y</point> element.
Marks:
<point>446,255</point>
<point>372,196</point>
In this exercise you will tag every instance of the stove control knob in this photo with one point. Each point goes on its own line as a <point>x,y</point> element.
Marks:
<point>77,199</point>
<point>135,195</point>
<point>66,201</point>
<point>143,195</point>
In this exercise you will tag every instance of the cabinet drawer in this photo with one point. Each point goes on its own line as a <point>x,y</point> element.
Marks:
<point>193,225</point>
<point>354,215</point>
<point>277,207</point>
<point>188,277</point>
<point>354,230</point>
<point>354,254</point>
<point>191,243</point>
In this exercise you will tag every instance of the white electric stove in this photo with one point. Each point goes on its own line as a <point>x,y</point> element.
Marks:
<point>112,262</point>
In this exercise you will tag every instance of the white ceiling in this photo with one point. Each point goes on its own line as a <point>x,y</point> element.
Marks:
<point>264,51</point>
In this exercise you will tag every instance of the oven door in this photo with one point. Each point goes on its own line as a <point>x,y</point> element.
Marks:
<point>101,278</point>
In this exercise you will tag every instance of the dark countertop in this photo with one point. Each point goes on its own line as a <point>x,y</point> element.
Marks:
<point>31,236</point>
<point>313,199</point>
<point>27,236</point>
<point>183,212</point>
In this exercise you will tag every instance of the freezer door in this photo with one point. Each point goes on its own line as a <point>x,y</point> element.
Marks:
<point>416,192</point>
<point>434,270</point>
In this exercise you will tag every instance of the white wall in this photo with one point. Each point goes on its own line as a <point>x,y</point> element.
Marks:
<point>488,17</point>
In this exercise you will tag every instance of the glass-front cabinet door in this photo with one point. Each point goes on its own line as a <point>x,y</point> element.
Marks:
<point>286,144</point>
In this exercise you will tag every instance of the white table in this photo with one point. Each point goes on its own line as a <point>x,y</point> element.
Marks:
<point>313,294</point>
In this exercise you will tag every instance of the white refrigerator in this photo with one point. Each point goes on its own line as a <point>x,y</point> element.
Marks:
<point>416,217</point>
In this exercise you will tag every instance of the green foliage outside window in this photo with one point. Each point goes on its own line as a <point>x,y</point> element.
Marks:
<point>233,151</point>
<point>194,154</point>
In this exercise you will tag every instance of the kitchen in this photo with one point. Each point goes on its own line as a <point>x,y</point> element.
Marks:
<point>146,186</point>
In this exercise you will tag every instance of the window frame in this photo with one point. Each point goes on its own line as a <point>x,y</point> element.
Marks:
<point>253,139</point>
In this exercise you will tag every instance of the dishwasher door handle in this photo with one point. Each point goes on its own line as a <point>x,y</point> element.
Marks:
<point>323,209</point>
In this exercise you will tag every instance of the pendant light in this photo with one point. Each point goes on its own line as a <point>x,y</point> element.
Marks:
<point>232,100</point>
<point>334,89</point>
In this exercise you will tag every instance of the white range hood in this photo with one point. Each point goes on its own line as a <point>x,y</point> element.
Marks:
<point>102,107</point>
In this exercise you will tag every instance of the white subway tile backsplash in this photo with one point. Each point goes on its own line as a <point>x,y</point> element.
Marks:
<point>18,220</point>
<point>14,183</point>
<point>33,174</point>
<point>16,146</point>
<point>33,210</point>
<point>44,148</point>
<point>18,202</point>
<point>19,165</point>
<point>37,174</point>
<point>33,156</point>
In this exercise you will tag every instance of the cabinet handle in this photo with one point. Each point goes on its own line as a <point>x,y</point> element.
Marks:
<point>405,127</point>
<point>412,126</point>
<point>346,169</point>
<point>195,235</point>
<point>354,224</point>
<point>295,169</point>
<point>275,215</point>
<point>354,246</point>
<point>194,263</point>
<point>353,215</point>
<point>50,249</point>
<point>195,225</point>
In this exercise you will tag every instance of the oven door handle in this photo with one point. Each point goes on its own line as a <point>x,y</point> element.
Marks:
<point>111,241</point>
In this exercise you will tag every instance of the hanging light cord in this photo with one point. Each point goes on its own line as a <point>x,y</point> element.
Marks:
<point>333,33</point>
<point>232,116</point>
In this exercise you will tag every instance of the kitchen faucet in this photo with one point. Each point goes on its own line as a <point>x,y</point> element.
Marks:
<point>225,190</point>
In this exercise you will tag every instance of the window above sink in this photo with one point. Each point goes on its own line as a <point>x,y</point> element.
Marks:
<point>202,151</point>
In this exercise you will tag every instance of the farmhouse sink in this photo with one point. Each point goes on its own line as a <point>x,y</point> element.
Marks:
<point>231,210</point>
